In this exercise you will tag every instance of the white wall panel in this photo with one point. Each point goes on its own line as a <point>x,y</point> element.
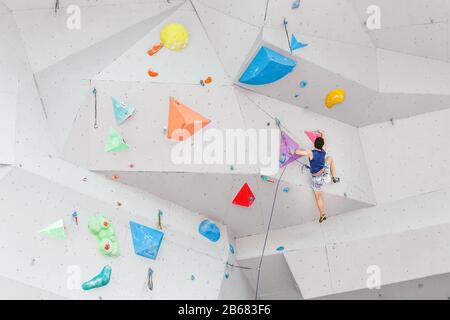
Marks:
<point>197,62</point>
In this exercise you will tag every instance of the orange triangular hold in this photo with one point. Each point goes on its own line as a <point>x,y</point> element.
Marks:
<point>245,197</point>
<point>182,117</point>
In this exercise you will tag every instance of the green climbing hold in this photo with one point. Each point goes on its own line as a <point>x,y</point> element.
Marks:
<point>100,280</point>
<point>115,142</point>
<point>55,230</point>
<point>105,234</point>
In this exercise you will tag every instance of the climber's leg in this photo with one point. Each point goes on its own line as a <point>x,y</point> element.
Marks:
<point>320,205</point>
<point>330,163</point>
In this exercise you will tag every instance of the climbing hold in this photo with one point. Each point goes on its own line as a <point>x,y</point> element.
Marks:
<point>115,142</point>
<point>55,230</point>
<point>115,177</point>
<point>232,168</point>
<point>152,73</point>
<point>131,166</point>
<point>295,4</point>
<point>267,179</point>
<point>146,241</point>
<point>102,228</point>
<point>231,249</point>
<point>303,84</point>
<point>208,80</point>
<point>209,230</point>
<point>313,135</point>
<point>121,111</point>
<point>155,49</point>
<point>184,122</point>
<point>100,280</point>
<point>244,197</point>
<point>192,277</point>
<point>119,204</point>
<point>286,190</point>
<point>267,67</point>
<point>227,275</point>
<point>287,150</point>
<point>296,96</point>
<point>335,97</point>
<point>280,248</point>
<point>174,36</point>
<point>295,44</point>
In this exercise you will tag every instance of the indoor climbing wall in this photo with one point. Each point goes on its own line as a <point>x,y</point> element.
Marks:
<point>89,127</point>
<point>77,258</point>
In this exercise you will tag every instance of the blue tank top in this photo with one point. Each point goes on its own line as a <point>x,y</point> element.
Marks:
<point>318,161</point>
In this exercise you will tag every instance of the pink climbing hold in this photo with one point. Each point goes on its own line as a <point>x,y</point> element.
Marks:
<point>287,150</point>
<point>313,135</point>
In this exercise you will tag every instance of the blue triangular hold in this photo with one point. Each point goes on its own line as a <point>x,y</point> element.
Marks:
<point>267,67</point>
<point>146,241</point>
<point>295,44</point>
<point>121,111</point>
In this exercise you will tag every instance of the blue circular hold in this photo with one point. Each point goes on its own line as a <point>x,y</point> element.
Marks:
<point>283,158</point>
<point>280,248</point>
<point>303,84</point>
<point>209,230</point>
<point>286,190</point>
<point>231,249</point>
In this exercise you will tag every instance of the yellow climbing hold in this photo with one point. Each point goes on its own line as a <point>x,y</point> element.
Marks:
<point>174,36</point>
<point>335,97</point>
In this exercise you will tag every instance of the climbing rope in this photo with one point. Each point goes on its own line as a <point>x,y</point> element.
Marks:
<point>270,220</point>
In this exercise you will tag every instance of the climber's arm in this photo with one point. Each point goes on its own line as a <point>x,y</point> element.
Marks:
<point>301,152</point>
<point>322,134</point>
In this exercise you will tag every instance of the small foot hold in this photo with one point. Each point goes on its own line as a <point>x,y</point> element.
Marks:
<point>322,219</point>
<point>336,180</point>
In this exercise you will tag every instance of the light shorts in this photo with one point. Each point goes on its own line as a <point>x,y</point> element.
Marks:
<point>319,181</point>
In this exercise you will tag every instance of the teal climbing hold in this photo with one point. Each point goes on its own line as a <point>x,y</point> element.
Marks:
<point>280,248</point>
<point>231,249</point>
<point>121,111</point>
<point>100,280</point>
<point>267,67</point>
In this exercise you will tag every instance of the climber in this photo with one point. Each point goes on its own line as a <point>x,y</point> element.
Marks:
<point>322,170</point>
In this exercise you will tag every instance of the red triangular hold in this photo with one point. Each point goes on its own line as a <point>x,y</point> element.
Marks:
<point>245,197</point>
